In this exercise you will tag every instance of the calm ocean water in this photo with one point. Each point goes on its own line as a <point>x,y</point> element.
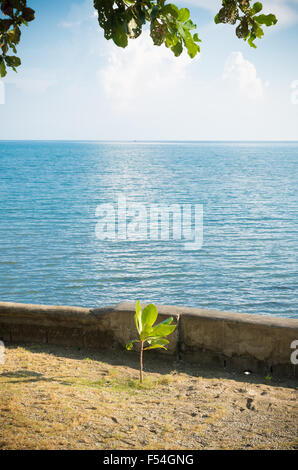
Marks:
<point>49,253</point>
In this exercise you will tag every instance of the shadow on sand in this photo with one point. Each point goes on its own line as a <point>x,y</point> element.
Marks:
<point>154,362</point>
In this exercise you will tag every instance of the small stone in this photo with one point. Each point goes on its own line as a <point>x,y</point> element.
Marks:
<point>249,404</point>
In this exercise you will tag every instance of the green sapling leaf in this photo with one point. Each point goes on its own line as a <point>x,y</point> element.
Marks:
<point>138,316</point>
<point>129,345</point>
<point>149,316</point>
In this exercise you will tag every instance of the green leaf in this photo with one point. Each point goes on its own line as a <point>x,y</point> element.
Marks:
<point>171,40</point>
<point>138,315</point>
<point>149,316</point>
<point>159,343</point>
<point>5,25</point>
<point>257,30</point>
<point>130,344</point>
<point>2,68</point>
<point>192,47</point>
<point>154,346</point>
<point>170,9</point>
<point>217,19</point>
<point>28,14</point>
<point>14,35</point>
<point>189,25</point>
<point>168,321</point>
<point>183,14</point>
<point>12,61</point>
<point>268,20</point>
<point>119,33</point>
<point>257,7</point>
<point>251,43</point>
<point>242,29</point>
<point>156,339</point>
<point>177,49</point>
<point>158,32</point>
<point>163,330</point>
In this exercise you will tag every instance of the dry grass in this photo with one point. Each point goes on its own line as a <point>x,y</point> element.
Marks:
<point>59,398</point>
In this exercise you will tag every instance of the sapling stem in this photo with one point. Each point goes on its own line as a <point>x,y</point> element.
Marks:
<point>141,362</point>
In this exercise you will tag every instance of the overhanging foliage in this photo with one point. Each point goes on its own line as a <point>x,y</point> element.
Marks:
<point>122,20</point>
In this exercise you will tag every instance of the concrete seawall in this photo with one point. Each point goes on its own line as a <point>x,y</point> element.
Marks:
<point>209,338</point>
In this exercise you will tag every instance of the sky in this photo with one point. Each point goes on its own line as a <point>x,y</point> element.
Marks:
<point>75,85</point>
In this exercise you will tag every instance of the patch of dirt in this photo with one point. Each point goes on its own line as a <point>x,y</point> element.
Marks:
<point>60,398</point>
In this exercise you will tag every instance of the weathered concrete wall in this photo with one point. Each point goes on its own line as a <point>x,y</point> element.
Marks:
<point>101,328</point>
<point>254,342</point>
<point>229,340</point>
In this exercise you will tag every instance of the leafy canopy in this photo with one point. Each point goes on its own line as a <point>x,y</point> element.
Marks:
<point>249,21</point>
<point>169,25</point>
<point>122,20</point>
<point>16,14</point>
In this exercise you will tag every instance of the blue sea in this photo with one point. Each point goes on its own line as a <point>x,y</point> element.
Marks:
<point>49,254</point>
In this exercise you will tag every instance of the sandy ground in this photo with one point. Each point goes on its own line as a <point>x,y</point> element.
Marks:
<point>61,398</point>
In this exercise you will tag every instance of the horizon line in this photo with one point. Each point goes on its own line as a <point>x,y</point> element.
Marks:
<point>152,140</point>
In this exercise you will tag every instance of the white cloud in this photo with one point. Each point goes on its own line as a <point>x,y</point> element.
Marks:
<point>243,75</point>
<point>31,81</point>
<point>151,94</point>
<point>142,70</point>
<point>70,24</point>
